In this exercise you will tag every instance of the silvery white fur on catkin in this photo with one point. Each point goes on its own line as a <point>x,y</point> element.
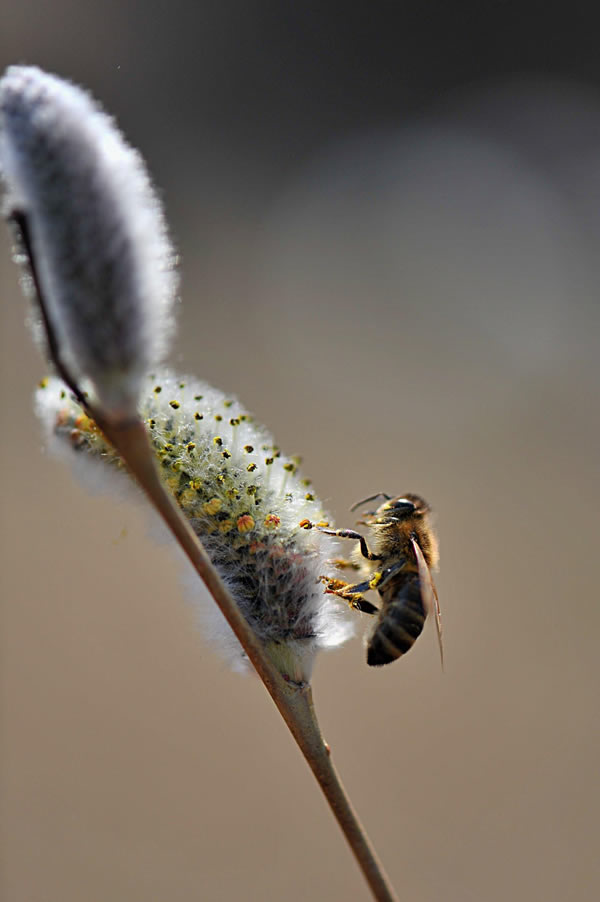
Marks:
<point>97,231</point>
<point>224,468</point>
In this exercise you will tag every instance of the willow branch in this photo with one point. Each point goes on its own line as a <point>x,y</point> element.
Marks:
<point>294,704</point>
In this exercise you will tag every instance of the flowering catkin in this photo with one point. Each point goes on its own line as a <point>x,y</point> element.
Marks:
<point>95,233</point>
<point>243,498</point>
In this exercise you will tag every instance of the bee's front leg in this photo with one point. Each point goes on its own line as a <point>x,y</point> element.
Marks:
<point>344,534</point>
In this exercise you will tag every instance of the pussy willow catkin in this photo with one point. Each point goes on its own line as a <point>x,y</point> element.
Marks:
<point>243,498</point>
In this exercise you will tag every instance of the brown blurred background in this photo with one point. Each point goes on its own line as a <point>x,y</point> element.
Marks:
<point>389,238</point>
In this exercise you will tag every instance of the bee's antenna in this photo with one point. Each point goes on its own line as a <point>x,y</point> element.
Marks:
<point>372,498</point>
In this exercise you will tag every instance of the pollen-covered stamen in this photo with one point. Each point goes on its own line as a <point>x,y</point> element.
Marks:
<point>245,523</point>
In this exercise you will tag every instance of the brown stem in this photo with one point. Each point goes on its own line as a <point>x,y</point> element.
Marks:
<point>300,716</point>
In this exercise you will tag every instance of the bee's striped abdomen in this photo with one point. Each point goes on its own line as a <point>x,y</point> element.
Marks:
<point>400,623</point>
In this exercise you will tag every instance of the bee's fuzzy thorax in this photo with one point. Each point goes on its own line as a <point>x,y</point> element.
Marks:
<point>243,498</point>
<point>393,538</point>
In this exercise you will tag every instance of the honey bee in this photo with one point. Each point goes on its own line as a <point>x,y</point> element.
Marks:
<point>404,550</point>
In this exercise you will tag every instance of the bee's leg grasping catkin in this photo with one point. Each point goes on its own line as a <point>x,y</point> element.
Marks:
<point>350,594</point>
<point>344,534</point>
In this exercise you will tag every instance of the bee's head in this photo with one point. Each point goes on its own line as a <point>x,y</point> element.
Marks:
<point>404,507</point>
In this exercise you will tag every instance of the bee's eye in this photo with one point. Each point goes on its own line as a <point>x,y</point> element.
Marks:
<point>403,506</point>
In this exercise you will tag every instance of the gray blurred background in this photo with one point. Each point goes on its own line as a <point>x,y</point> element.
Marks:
<point>389,238</point>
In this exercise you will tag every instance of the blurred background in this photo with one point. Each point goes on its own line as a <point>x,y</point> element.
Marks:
<point>389,221</point>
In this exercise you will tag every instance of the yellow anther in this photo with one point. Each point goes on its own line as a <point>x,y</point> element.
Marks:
<point>245,523</point>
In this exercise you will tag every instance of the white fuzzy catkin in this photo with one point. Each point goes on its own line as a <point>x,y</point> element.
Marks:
<point>243,498</point>
<point>98,237</point>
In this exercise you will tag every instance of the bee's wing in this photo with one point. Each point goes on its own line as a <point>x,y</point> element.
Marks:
<point>430,596</point>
